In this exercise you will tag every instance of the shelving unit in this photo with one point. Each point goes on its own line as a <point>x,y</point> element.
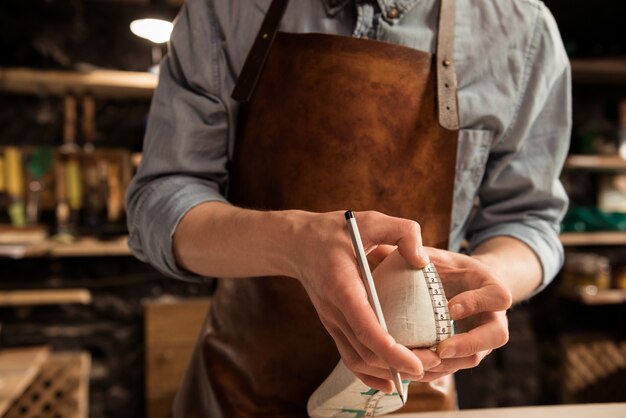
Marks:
<point>83,247</point>
<point>591,296</point>
<point>103,84</point>
<point>100,83</point>
<point>599,71</point>
<point>595,162</point>
<point>578,239</point>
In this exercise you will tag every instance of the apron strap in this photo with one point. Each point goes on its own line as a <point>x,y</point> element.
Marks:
<point>260,49</point>
<point>446,74</point>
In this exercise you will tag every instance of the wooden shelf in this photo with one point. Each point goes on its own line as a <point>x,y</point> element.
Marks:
<point>599,71</point>
<point>573,239</point>
<point>590,295</point>
<point>44,297</point>
<point>595,162</point>
<point>84,247</point>
<point>100,83</point>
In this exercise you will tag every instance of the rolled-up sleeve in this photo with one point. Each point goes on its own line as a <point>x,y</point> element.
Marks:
<point>521,195</point>
<point>186,144</point>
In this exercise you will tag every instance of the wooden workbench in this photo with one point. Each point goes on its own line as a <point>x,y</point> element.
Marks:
<point>607,410</point>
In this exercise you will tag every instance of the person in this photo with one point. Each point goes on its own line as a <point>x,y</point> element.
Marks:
<point>254,194</point>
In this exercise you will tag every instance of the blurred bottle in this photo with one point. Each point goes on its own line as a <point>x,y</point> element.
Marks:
<point>15,185</point>
<point>69,176</point>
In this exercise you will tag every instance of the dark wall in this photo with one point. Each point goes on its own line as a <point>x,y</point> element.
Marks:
<point>591,28</point>
<point>69,33</point>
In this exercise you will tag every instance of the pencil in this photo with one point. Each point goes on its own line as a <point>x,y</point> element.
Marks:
<point>368,281</point>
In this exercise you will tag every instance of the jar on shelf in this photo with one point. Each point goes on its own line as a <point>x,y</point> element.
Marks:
<point>587,269</point>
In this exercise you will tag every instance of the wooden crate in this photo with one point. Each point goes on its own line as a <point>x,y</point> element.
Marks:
<point>18,368</point>
<point>60,390</point>
<point>590,365</point>
<point>172,329</point>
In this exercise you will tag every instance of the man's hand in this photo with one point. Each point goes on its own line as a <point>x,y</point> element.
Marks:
<point>477,301</point>
<point>326,266</point>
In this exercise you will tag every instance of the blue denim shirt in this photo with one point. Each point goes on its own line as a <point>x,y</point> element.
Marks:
<point>514,100</point>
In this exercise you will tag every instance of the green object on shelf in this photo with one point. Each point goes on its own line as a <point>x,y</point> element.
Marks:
<point>581,219</point>
<point>40,162</point>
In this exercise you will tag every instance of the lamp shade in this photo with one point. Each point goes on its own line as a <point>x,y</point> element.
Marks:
<point>155,30</point>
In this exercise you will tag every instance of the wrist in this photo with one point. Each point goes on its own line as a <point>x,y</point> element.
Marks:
<point>285,245</point>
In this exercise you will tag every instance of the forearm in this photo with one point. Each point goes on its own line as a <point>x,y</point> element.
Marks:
<point>513,263</point>
<point>215,239</point>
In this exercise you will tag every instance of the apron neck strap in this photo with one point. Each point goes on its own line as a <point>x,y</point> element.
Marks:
<point>446,74</point>
<point>260,49</point>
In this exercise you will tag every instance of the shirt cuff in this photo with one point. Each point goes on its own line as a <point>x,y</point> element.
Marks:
<point>156,218</point>
<point>539,235</point>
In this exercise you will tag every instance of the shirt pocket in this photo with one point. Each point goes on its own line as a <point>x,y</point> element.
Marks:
<point>472,153</point>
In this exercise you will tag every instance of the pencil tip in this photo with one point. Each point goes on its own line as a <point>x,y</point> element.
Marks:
<point>402,399</point>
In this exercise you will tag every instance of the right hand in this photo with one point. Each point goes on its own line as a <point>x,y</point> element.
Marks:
<point>324,262</point>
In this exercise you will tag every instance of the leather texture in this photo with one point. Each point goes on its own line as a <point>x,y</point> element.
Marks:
<point>333,123</point>
<point>446,72</point>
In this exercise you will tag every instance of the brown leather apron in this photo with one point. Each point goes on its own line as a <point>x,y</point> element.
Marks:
<point>332,123</point>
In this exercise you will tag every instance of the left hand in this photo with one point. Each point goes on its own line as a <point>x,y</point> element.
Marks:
<point>477,302</point>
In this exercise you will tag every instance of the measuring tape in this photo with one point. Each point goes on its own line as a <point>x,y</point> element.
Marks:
<point>438,299</point>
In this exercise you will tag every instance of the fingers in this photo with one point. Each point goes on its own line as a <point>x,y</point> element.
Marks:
<point>490,298</point>
<point>450,366</point>
<point>375,377</point>
<point>363,327</point>
<point>453,364</point>
<point>492,333</point>
<point>384,385</point>
<point>404,233</point>
<point>428,358</point>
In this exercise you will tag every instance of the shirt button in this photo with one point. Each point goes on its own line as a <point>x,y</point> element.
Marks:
<point>392,13</point>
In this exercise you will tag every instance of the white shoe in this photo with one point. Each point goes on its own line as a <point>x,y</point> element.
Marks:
<point>416,312</point>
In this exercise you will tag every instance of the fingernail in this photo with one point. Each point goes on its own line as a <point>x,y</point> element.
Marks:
<point>431,363</point>
<point>448,352</point>
<point>456,310</point>
<point>421,251</point>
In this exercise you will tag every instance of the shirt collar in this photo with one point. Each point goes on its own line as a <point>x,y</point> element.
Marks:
<point>335,6</point>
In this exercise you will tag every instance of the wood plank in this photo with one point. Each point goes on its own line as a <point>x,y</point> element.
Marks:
<point>82,247</point>
<point>167,365</point>
<point>100,83</point>
<point>175,323</point>
<point>44,297</point>
<point>599,71</point>
<point>573,239</point>
<point>18,369</point>
<point>91,247</point>
<point>595,162</point>
<point>606,410</point>
<point>171,329</point>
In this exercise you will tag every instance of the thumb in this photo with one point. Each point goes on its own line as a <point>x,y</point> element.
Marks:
<point>377,228</point>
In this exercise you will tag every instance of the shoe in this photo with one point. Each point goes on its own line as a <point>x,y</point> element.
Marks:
<point>416,312</point>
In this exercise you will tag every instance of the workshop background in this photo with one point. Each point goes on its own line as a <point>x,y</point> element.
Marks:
<point>87,330</point>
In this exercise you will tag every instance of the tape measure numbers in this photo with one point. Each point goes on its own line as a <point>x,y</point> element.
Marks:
<point>443,323</point>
